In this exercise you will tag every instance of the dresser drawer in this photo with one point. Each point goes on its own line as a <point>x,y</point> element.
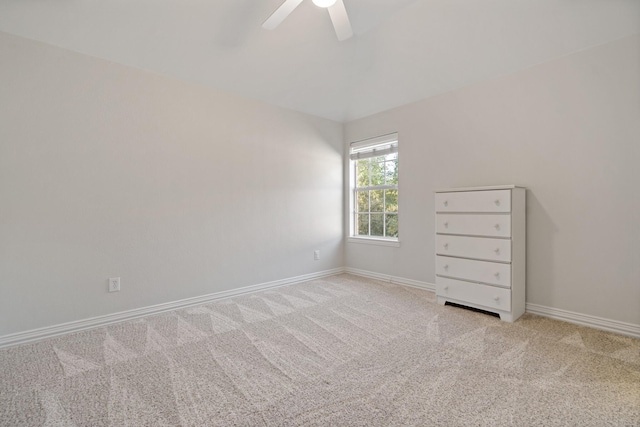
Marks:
<point>477,271</point>
<point>484,295</point>
<point>474,201</point>
<point>474,225</point>
<point>474,247</point>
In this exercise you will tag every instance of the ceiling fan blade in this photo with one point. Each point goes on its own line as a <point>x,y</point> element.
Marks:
<point>280,14</point>
<point>340,20</point>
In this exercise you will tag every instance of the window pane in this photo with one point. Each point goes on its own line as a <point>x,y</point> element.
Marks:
<point>362,173</point>
<point>392,225</point>
<point>375,213</point>
<point>377,224</point>
<point>391,199</point>
<point>363,201</point>
<point>377,201</point>
<point>391,172</point>
<point>377,173</point>
<point>362,227</point>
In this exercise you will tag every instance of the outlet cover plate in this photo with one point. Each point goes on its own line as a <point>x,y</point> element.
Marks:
<point>114,284</point>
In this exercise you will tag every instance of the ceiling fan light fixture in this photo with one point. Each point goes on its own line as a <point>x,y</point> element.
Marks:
<point>336,9</point>
<point>324,3</point>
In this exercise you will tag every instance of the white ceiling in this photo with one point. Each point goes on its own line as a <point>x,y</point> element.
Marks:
<point>403,50</point>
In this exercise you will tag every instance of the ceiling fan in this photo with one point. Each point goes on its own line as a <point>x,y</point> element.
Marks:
<point>337,12</point>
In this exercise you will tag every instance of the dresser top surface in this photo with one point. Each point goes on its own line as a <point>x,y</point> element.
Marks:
<point>485,188</point>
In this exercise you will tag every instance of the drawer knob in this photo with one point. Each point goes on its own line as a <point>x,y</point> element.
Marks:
<point>497,202</point>
<point>497,275</point>
<point>497,251</point>
<point>497,226</point>
<point>446,225</point>
<point>446,267</point>
<point>496,299</point>
<point>446,203</point>
<point>446,288</point>
<point>446,246</point>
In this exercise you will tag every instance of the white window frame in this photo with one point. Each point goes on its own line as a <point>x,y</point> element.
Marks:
<point>371,147</point>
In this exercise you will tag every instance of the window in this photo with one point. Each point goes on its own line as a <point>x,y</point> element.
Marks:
<point>374,184</point>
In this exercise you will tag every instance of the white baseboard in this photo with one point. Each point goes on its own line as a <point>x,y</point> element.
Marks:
<point>609,325</point>
<point>585,320</point>
<point>95,322</point>
<point>623,328</point>
<point>391,279</point>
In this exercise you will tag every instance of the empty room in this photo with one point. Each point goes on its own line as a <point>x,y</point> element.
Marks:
<point>320,212</point>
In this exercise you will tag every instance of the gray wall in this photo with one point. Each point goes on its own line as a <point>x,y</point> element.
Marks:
<point>180,190</point>
<point>569,130</point>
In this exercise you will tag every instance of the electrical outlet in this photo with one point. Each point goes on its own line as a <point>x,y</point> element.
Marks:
<point>316,255</point>
<point>114,284</point>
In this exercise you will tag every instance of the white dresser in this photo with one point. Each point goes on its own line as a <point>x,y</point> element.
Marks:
<point>480,248</point>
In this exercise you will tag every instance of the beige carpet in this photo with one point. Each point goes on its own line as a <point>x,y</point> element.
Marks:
<point>337,351</point>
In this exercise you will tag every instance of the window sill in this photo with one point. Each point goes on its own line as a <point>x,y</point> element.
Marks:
<point>374,241</point>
